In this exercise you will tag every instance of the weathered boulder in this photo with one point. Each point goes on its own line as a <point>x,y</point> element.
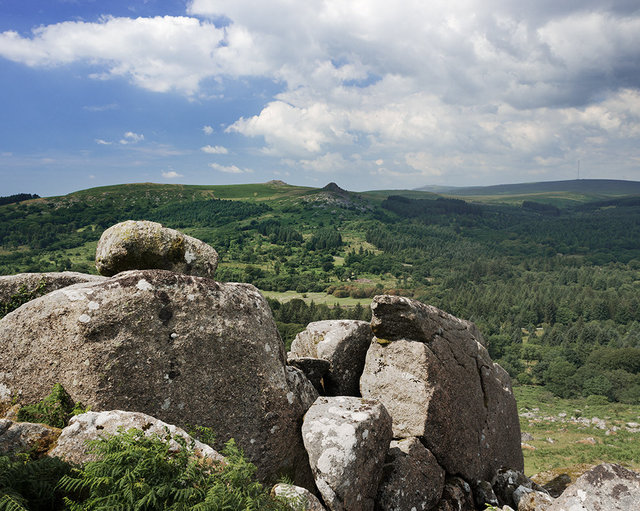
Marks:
<point>344,343</point>
<point>72,444</point>
<point>507,481</point>
<point>412,478</point>
<point>142,245</point>
<point>302,393</point>
<point>607,486</point>
<point>456,496</point>
<point>25,437</point>
<point>483,494</point>
<point>531,500</point>
<point>437,381</point>
<point>41,283</point>
<point>314,369</point>
<point>184,349</point>
<point>347,439</point>
<point>557,485</point>
<point>298,498</point>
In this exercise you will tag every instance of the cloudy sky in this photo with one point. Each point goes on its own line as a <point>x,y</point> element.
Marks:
<point>368,93</point>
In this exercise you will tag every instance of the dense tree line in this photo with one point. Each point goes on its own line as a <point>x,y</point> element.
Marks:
<point>18,197</point>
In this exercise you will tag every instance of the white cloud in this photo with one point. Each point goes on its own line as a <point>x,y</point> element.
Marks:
<point>101,108</point>
<point>214,149</point>
<point>131,138</point>
<point>230,169</point>
<point>430,89</point>
<point>171,174</point>
<point>100,141</point>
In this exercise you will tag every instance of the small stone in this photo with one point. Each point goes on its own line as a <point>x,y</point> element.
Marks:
<point>297,498</point>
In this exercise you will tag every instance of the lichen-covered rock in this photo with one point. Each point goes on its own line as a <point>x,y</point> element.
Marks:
<point>344,343</point>
<point>301,393</point>
<point>184,349</point>
<point>507,481</point>
<point>26,437</point>
<point>532,500</point>
<point>315,369</point>
<point>72,444</point>
<point>607,486</point>
<point>297,498</point>
<point>40,283</point>
<point>347,439</point>
<point>142,245</point>
<point>412,478</point>
<point>437,381</point>
<point>456,496</point>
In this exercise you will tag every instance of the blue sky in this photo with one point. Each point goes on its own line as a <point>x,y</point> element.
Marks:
<point>368,93</point>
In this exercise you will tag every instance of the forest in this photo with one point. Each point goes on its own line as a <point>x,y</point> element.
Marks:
<point>552,284</point>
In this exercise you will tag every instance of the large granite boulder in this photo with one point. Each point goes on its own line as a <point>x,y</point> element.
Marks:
<point>412,478</point>
<point>436,379</point>
<point>344,344</point>
<point>38,284</point>
<point>142,245</point>
<point>607,486</point>
<point>72,445</point>
<point>347,439</point>
<point>184,349</point>
<point>25,437</point>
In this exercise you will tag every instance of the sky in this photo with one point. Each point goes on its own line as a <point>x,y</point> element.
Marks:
<point>371,94</point>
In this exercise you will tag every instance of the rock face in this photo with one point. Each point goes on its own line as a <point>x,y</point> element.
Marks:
<point>23,437</point>
<point>184,349</point>
<point>141,245</point>
<point>456,496</point>
<point>344,344</point>
<point>606,486</point>
<point>436,379</point>
<point>72,444</point>
<point>45,282</point>
<point>347,439</point>
<point>412,478</point>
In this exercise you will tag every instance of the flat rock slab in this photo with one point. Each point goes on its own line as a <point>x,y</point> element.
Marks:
<point>184,349</point>
<point>142,245</point>
<point>606,487</point>
<point>43,283</point>
<point>72,444</point>
<point>344,344</point>
<point>412,478</point>
<point>347,439</point>
<point>437,381</point>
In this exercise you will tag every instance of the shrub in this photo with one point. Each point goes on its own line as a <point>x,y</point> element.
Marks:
<point>55,410</point>
<point>134,471</point>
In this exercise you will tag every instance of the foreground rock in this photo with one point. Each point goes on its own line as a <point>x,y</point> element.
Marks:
<point>436,379</point>
<point>142,245</point>
<point>25,437</point>
<point>347,439</point>
<point>39,284</point>
<point>184,349</point>
<point>456,496</point>
<point>298,498</point>
<point>344,344</point>
<point>605,487</point>
<point>412,478</point>
<point>72,444</point>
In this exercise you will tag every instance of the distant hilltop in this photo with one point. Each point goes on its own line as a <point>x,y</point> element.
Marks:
<point>590,186</point>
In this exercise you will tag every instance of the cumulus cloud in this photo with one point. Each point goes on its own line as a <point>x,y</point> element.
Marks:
<point>131,138</point>
<point>217,149</point>
<point>171,174</point>
<point>430,89</point>
<point>230,169</point>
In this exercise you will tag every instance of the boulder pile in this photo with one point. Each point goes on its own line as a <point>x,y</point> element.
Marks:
<point>407,412</point>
